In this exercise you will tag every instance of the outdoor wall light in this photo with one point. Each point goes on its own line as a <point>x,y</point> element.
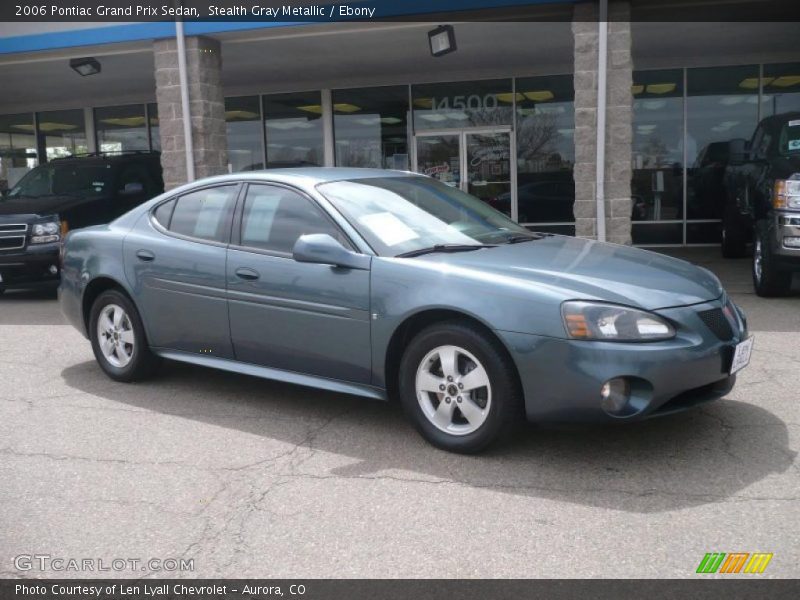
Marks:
<point>85,66</point>
<point>442,40</point>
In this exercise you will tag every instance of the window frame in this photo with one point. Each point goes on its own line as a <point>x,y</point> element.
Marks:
<point>238,221</point>
<point>237,196</point>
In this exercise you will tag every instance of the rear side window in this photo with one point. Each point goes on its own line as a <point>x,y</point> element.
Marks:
<point>203,214</point>
<point>163,213</point>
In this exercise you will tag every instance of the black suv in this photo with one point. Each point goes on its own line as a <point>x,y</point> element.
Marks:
<point>762,181</point>
<point>67,193</point>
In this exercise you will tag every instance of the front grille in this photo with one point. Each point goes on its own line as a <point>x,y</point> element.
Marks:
<point>13,228</point>
<point>719,325</point>
<point>12,243</point>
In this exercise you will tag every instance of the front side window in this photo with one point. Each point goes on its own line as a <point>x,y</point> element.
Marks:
<point>275,217</point>
<point>396,215</point>
<point>204,214</point>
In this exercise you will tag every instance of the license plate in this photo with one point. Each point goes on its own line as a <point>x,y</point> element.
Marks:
<point>741,355</point>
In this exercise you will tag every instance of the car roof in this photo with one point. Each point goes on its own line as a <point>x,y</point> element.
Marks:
<point>779,118</point>
<point>307,175</point>
<point>102,157</point>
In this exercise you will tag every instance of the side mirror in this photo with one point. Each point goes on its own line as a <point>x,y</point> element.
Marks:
<point>131,189</point>
<point>738,151</point>
<point>320,248</point>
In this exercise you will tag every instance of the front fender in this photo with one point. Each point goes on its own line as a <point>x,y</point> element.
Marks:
<point>403,288</point>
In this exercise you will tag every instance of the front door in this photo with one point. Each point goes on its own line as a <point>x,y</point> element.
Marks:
<point>477,161</point>
<point>284,314</point>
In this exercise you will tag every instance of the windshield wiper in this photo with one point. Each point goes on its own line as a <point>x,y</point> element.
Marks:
<point>516,239</point>
<point>443,248</point>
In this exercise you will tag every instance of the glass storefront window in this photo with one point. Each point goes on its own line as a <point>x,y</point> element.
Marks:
<point>721,104</point>
<point>155,134</point>
<point>545,150</point>
<point>120,128</point>
<point>17,148</point>
<point>62,133</point>
<point>245,138</point>
<point>781,91</point>
<point>462,104</point>
<point>657,185</point>
<point>370,127</point>
<point>293,125</point>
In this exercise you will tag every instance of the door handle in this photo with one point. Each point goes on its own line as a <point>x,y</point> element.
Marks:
<point>248,274</point>
<point>145,255</point>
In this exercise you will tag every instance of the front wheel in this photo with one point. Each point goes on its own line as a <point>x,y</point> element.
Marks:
<point>768,278</point>
<point>459,388</point>
<point>118,339</point>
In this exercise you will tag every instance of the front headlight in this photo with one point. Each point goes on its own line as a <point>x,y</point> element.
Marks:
<point>45,232</point>
<point>786,194</point>
<point>610,322</point>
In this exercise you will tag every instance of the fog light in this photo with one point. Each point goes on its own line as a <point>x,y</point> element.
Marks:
<point>615,395</point>
<point>53,269</point>
<point>791,242</point>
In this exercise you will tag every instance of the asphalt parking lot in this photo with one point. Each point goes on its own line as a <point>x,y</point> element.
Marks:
<point>251,478</point>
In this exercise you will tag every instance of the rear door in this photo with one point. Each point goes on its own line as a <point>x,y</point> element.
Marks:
<point>301,317</point>
<point>175,258</point>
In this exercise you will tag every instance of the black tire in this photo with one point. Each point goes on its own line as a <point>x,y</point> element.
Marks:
<point>143,362</point>
<point>505,410</point>
<point>770,280</point>
<point>734,237</point>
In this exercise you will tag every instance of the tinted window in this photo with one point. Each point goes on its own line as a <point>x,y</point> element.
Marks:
<point>275,217</point>
<point>136,174</point>
<point>82,179</point>
<point>164,213</point>
<point>789,142</point>
<point>204,214</point>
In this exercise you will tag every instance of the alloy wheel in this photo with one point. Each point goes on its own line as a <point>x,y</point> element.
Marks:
<point>453,390</point>
<point>115,335</point>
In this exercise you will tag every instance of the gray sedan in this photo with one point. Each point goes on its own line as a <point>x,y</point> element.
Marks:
<point>391,285</point>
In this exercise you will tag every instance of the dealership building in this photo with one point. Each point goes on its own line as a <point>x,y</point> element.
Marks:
<point>614,129</point>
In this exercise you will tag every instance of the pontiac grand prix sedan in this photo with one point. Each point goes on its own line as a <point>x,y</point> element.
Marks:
<point>392,285</point>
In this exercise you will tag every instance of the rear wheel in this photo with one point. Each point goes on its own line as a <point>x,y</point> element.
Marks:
<point>118,339</point>
<point>459,388</point>
<point>768,278</point>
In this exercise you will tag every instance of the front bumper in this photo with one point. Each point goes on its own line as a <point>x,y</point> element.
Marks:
<point>33,265</point>
<point>562,378</point>
<point>785,225</point>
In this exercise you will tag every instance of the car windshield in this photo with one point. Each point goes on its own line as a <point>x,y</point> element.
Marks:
<point>789,141</point>
<point>398,215</point>
<point>55,179</point>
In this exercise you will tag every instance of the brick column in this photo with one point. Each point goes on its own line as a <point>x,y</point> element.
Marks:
<point>619,128</point>
<point>618,121</point>
<point>206,106</point>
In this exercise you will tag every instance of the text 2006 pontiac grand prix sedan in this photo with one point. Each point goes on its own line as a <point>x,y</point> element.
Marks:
<point>392,285</point>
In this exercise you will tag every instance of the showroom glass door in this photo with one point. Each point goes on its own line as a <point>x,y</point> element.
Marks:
<point>477,161</point>
<point>487,158</point>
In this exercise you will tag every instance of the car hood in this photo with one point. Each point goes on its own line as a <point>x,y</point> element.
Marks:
<point>585,269</point>
<point>44,205</point>
<point>786,166</point>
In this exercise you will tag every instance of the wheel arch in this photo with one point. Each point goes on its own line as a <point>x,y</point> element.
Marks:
<point>93,289</point>
<point>418,321</point>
